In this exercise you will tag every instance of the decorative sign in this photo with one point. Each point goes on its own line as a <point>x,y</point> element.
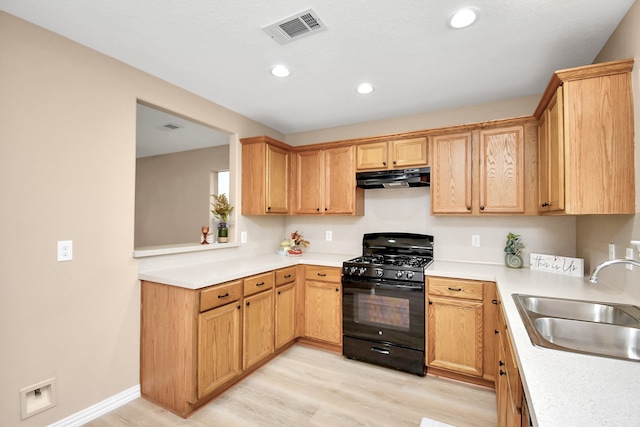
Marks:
<point>557,264</point>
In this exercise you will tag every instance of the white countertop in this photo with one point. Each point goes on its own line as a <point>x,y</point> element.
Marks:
<point>212,273</point>
<point>562,388</point>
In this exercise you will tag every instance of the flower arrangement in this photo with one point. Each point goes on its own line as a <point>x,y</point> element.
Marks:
<point>514,244</point>
<point>297,239</point>
<point>221,208</point>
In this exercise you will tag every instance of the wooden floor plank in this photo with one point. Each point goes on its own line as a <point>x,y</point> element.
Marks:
<point>309,387</point>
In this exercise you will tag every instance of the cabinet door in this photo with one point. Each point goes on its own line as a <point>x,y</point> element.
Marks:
<point>408,152</point>
<point>323,311</point>
<point>309,179</point>
<point>371,156</point>
<point>451,174</point>
<point>339,180</point>
<point>218,347</point>
<point>285,314</point>
<point>502,170</point>
<point>555,144</point>
<point>277,180</point>
<point>258,328</point>
<point>490,319</point>
<point>455,335</point>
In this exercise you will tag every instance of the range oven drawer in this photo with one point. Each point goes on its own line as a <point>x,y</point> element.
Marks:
<point>384,354</point>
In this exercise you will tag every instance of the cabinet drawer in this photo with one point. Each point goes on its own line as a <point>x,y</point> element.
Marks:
<point>455,288</point>
<point>258,283</point>
<point>285,275</point>
<point>219,295</point>
<point>324,274</point>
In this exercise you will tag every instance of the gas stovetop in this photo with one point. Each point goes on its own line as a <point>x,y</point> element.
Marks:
<point>397,256</point>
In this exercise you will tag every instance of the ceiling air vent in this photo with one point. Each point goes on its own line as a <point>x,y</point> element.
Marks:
<point>294,27</point>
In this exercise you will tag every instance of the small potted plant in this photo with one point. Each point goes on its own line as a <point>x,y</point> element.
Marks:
<point>513,250</point>
<point>221,211</point>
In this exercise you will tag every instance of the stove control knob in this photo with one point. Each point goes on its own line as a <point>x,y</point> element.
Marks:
<point>409,275</point>
<point>362,271</point>
<point>399,274</point>
<point>379,272</point>
<point>352,270</point>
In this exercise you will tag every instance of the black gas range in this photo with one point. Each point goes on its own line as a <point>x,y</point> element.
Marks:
<point>383,300</point>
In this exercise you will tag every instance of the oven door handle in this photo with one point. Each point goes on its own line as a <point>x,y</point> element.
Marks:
<point>399,287</point>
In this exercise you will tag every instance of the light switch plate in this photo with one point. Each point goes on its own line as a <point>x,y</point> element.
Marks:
<point>475,240</point>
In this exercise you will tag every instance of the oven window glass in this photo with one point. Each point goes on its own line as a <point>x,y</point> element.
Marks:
<point>376,310</point>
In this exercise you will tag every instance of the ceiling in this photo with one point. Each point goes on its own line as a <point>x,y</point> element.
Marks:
<point>217,49</point>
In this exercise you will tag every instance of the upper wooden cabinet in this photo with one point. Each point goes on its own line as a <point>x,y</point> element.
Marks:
<point>484,171</point>
<point>326,182</point>
<point>265,176</point>
<point>586,141</point>
<point>397,154</point>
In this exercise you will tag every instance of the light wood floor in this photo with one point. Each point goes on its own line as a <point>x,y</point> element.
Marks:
<point>310,387</point>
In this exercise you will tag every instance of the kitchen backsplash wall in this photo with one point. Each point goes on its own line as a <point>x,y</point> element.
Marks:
<point>408,210</point>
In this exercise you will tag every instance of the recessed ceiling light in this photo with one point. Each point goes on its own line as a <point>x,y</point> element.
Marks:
<point>365,88</point>
<point>280,71</point>
<point>463,18</point>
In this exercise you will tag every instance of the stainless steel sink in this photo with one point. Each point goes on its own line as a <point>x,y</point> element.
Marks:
<point>587,327</point>
<point>626,315</point>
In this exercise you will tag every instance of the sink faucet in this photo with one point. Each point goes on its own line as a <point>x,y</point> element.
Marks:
<point>596,271</point>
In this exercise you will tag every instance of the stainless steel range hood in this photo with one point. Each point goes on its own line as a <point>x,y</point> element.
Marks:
<point>400,178</point>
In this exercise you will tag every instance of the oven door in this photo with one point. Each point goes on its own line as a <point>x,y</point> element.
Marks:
<point>384,311</point>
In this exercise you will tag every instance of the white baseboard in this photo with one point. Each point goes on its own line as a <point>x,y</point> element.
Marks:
<point>91,413</point>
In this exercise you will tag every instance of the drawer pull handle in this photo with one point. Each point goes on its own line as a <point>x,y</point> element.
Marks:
<point>223,296</point>
<point>380,350</point>
<point>260,284</point>
<point>287,276</point>
<point>322,274</point>
<point>454,289</point>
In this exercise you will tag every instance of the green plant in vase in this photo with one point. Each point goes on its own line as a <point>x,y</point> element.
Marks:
<point>221,211</point>
<point>513,250</point>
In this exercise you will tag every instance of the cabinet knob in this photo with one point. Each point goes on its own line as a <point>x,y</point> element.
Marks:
<point>326,209</point>
<point>481,208</point>
<point>384,163</point>
<point>318,209</point>
<point>238,307</point>
<point>500,363</point>
<point>337,290</point>
<point>248,303</point>
<point>468,208</point>
<point>269,208</point>
<point>502,372</point>
<point>394,162</point>
<point>495,331</point>
<point>494,301</point>
<point>278,292</point>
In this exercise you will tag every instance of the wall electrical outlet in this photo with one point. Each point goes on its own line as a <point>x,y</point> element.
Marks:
<point>329,235</point>
<point>629,255</point>
<point>475,240</point>
<point>65,250</point>
<point>243,237</point>
<point>612,251</point>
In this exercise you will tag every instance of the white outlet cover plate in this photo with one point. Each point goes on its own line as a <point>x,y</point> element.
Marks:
<point>65,250</point>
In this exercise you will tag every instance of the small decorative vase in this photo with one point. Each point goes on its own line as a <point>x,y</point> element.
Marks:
<point>223,233</point>
<point>513,261</point>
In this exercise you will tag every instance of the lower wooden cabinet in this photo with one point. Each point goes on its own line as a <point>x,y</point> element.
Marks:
<point>218,347</point>
<point>509,393</point>
<point>460,328</point>
<point>285,314</point>
<point>258,319</point>
<point>323,304</point>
